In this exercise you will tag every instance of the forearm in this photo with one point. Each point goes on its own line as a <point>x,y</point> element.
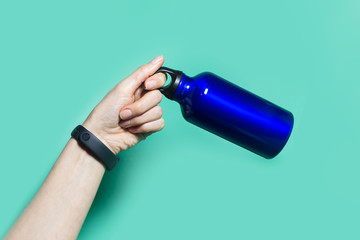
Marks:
<point>59,208</point>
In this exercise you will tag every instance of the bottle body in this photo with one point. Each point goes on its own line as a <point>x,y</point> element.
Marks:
<point>234,113</point>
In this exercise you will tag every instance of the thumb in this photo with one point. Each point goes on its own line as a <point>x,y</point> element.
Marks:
<point>134,80</point>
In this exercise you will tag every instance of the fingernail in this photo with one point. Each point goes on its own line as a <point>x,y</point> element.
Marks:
<point>125,114</point>
<point>125,124</point>
<point>157,59</point>
<point>150,84</point>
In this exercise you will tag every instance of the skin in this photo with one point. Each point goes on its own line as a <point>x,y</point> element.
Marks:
<point>126,115</point>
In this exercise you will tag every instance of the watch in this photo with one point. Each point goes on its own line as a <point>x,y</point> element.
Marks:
<point>88,141</point>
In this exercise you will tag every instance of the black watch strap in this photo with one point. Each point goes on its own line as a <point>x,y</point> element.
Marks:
<point>102,153</point>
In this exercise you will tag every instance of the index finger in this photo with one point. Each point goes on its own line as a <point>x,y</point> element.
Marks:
<point>155,81</point>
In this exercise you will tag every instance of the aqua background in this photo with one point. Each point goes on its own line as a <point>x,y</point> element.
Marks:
<point>59,58</point>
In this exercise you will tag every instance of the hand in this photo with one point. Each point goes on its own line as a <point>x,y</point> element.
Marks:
<point>129,112</point>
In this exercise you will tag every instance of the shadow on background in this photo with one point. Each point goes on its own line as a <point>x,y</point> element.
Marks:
<point>114,181</point>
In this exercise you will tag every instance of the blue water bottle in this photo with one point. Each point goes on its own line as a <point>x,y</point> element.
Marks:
<point>230,111</point>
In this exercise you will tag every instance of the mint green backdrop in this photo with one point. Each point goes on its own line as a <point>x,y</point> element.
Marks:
<point>59,58</point>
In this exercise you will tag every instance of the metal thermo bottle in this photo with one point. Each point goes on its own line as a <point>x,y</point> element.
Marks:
<point>230,111</point>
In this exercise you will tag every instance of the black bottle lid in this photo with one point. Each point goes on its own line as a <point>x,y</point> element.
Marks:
<point>170,89</point>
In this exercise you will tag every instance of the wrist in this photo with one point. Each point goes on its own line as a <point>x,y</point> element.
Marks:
<point>99,133</point>
<point>83,157</point>
<point>95,146</point>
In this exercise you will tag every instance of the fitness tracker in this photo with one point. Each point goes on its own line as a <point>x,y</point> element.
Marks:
<point>88,140</point>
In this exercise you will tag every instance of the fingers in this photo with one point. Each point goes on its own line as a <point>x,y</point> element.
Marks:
<point>139,93</point>
<point>153,114</point>
<point>134,80</point>
<point>153,126</point>
<point>155,81</point>
<point>145,103</point>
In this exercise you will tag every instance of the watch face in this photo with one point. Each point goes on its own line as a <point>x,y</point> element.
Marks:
<point>85,136</point>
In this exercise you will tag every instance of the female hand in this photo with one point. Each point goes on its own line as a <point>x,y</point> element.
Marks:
<point>129,112</point>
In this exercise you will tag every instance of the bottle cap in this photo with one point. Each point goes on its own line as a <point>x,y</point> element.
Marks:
<point>171,88</point>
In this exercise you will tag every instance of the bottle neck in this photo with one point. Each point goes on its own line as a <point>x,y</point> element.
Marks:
<point>183,89</point>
